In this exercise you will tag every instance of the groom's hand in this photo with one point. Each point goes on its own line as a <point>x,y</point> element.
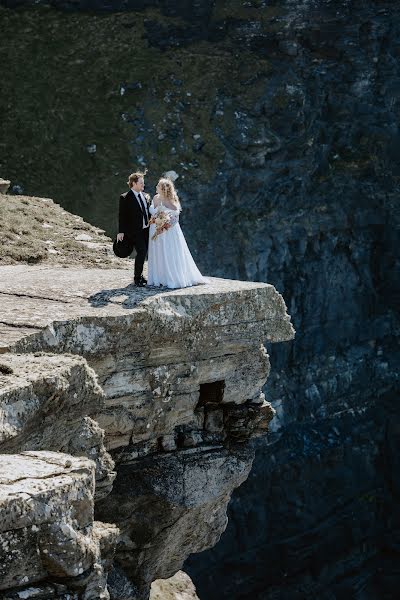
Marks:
<point>120,237</point>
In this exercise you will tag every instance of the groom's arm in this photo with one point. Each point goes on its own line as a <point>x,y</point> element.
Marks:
<point>122,215</point>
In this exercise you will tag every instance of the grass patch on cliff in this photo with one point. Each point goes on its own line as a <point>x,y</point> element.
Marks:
<point>36,230</point>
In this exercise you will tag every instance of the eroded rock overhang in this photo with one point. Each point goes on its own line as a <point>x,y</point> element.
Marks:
<point>163,385</point>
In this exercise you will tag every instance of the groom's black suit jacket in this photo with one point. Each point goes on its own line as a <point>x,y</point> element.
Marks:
<point>130,221</point>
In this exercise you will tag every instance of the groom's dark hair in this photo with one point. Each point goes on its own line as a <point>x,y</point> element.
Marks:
<point>134,177</point>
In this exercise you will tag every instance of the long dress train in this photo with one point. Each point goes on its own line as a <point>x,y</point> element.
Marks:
<point>170,262</point>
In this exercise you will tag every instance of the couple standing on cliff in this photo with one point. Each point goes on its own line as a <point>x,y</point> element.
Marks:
<point>153,228</point>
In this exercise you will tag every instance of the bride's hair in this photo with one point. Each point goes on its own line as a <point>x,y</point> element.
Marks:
<point>168,191</point>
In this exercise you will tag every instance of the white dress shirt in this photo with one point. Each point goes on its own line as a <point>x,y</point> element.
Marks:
<point>145,205</point>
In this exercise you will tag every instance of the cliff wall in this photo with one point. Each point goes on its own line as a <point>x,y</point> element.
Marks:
<point>160,389</point>
<point>281,120</point>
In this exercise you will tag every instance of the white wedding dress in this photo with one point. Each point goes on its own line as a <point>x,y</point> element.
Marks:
<point>170,263</point>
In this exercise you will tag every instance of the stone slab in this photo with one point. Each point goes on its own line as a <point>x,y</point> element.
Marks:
<point>33,299</point>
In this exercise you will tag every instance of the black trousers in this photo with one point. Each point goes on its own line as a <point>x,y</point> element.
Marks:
<point>141,244</point>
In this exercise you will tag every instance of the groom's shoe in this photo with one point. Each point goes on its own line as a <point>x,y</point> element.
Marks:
<point>143,280</point>
<point>139,282</point>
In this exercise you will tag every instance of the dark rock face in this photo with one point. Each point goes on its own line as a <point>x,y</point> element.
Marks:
<point>168,515</point>
<point>319,519</point>
<point>199,10</point>
<point>297,184</point>
<point>316,517</point>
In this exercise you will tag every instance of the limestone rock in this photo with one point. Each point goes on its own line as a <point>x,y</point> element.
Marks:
<point>45,404</point>
<point>323,77</point>
<point>68,306</point>
<point>178,587</point>
<point>170,506</point>
<point>173,379</point>
<point>4,185</point>
<point>47,530</point>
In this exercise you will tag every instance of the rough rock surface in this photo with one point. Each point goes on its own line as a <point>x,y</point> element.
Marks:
<point>47,532</point>
<point>37,230</point>
<point>292,109</point>
<point>46,403</point>
<point>178,587</point>
<point>179,374</point>
<point>4,185</point>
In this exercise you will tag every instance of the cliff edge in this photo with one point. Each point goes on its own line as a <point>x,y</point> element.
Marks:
<point>158,390</point>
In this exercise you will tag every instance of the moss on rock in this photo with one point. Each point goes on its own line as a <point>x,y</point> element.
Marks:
<point>88,98</point>
<point>36,230</point>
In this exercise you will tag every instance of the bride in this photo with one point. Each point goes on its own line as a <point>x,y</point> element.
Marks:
<point>170,263</point>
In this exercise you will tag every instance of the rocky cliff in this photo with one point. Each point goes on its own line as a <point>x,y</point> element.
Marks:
<point>159,391</point>
<point>50,546</point>
<point>281,120</point>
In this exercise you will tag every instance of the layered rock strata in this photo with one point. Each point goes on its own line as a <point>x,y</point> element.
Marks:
<point>281,120</point>
<point>50,545</point>
<point>177,393</point>
<point>47,403</point>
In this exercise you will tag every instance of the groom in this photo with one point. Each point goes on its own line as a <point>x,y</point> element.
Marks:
<point>134,222</point>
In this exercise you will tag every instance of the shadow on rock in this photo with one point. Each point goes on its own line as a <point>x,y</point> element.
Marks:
<point>127,297</point>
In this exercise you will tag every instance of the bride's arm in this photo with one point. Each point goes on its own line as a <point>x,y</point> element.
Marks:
<point>153,205</point>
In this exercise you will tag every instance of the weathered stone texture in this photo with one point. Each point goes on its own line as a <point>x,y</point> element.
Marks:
<point>47,529</point>
<point>170,506</point>
<point>45,404</point>
<point>172,378</point>
<point>178,587</point>
<point>287,151</point>
<point>151,350</point>
<point>4,185</point>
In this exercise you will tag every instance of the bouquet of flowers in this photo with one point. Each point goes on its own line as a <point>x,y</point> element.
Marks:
<point>162,221</point>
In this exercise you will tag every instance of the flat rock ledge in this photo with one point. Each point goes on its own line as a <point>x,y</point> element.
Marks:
<point>47,531</point>
<point>38,302</point>
<point>162,389</point>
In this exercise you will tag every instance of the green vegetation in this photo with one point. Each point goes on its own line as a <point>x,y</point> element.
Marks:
<point>36,230</point>
<point>72,80</point>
